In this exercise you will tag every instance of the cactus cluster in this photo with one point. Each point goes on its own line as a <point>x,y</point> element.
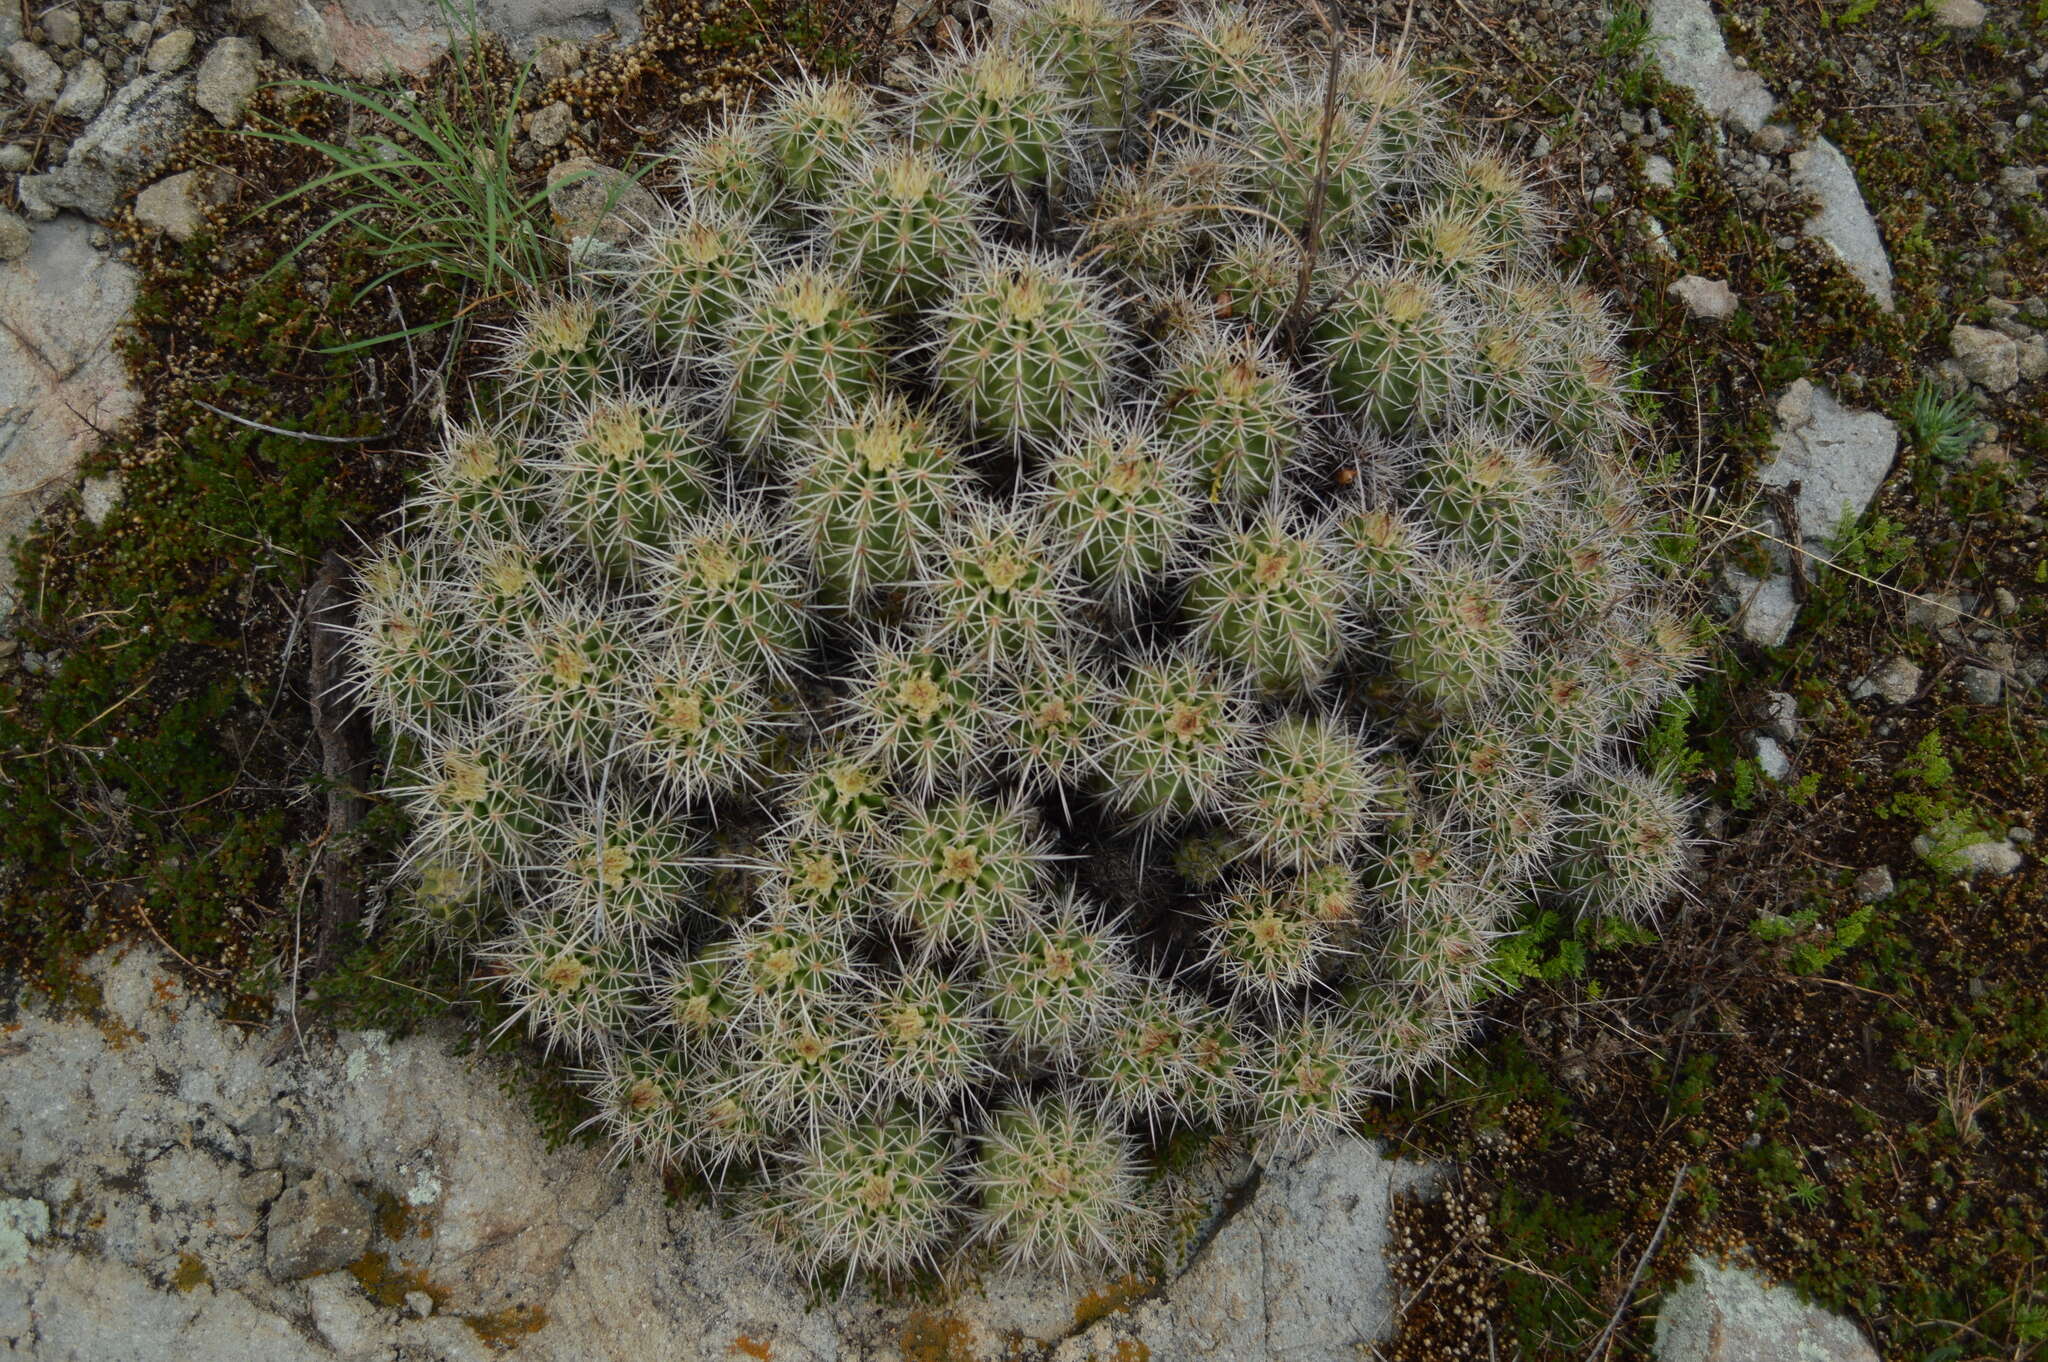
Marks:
<point>971,648</point>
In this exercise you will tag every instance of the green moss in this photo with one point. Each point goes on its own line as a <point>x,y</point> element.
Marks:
<point>133,771</point>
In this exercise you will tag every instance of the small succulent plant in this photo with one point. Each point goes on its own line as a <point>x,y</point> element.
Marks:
<point>973,648</point>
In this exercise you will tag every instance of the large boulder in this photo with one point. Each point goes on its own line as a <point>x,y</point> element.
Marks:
<point>484,1235</point>
<point>61,384</point>
<point>376,38</point>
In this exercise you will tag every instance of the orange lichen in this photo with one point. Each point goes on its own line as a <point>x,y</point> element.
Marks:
<point>1117,1296</point>
<point>936,1338</point>
<point>501,1330</point>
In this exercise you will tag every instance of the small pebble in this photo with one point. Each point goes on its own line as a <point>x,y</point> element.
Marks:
<point>1982,685</point>
<point>172,51</point>
<point>1873,884</point>
<point>1781,716</point>
<point>1706,299</point>
<point>1897,681</point>
<point>61,28</point>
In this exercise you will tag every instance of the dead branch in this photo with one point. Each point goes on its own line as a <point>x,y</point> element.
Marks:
<point>345,761</point>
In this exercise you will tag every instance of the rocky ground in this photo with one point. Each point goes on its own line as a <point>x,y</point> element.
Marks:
<point>1832,1054</point>
<point>184,1187</point>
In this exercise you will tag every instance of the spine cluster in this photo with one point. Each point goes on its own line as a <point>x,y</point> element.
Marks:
<point>947,666</point>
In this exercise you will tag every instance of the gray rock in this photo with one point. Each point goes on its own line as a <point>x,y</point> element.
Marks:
<point>14,236</point>
<point>1781,716</point>
<point>1873,884</point>
<point>138,129</point>
<point>1771,758</point>
<point>1838,456</point>
<point>98,496</point>
<point>376,38</point>
<point>1959,14</point>
<point>2033,359</point>
<point>172,51</point>
<point>420,1303</point>
<point>1297,1275</point>
<point>1988,358</point>
<point>523,23</point>
<point>227,78</point>
<point>125,144</point>
<point>1843,222</point>
<point>618,1273</point>
<point>1726,1314</point>
<point>1659,173</point>
<point>1896,682</point>
<point>2022,182</point>
<point>552,124</point>
<point>1939,614</point>
<point>555,58</point>
<point>61,28</point>
<point>84,91</point>
<point>177,204</point>
<point>1706,299</point>
<point>86,190</point>
<point>40,77</point>
<point>259,1189</point>
<point>1988,857</point>
<point>385,39</point>
<point>23,1221</point>
<point>61,384</point>
<point>1771,139</point>
<point>1983,685</point>
<point>316,1226</point>
<point>594,201</point>
<point>16,158</point>
<point>1686,38</point>
<point>293,29</point>
<point>1764,608</point>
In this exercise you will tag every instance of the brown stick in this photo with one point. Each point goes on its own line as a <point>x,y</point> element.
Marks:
<point>1600,1345</point>
<point>345,761</point>
<point>1312,230</point>
<point>1785,501</point>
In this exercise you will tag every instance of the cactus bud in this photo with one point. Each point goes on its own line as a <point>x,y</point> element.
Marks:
<point>1395,347</point>
<point>1120,497</point>
<point>1235,413</point>
<point>1269,603</point>
<point>816,129</point>
<point>905,224</point>
<point>802,346</point>
<point>961,872</point>
<point>1002,113</point>
<point>1058,1187</point>
<point>1456,639</point>
<point>1175,731</point>
<point>1027,347</point>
